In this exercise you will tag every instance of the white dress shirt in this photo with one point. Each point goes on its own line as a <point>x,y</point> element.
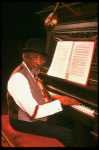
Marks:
<point>19,89</point>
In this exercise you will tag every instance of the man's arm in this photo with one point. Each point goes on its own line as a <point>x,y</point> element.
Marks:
<point>19,89</point>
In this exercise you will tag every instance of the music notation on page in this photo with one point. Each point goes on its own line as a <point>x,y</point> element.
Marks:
<point>72,60</point>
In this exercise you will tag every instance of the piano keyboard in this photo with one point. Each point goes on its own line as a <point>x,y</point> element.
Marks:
<point>84,109</point>
<point>81,108</point>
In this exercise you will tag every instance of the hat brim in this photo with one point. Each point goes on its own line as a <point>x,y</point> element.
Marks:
<point>34,51</point>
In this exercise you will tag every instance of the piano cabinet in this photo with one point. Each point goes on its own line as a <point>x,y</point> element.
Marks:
<point>85,127</point>
<point>95,132</point>
<point>82,26</point>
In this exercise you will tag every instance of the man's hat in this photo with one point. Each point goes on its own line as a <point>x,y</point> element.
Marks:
<point>36,46</point>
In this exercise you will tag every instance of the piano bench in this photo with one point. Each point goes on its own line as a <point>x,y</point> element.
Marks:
<point>13,138</point>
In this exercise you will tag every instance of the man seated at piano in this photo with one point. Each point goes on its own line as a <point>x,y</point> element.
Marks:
<point>31,108</point>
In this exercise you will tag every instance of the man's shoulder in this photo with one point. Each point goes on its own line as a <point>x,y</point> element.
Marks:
<point>17,77</point>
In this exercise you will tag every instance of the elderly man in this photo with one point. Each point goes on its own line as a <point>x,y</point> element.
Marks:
<point>30,106</point>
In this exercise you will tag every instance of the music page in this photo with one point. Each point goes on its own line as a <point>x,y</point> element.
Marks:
<point>61,59</point>
<point>81,61</point>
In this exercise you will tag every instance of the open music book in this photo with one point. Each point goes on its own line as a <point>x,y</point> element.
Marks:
<point>72,60</point>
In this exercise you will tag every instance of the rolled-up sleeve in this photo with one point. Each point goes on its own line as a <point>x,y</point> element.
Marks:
<point>19,89</point>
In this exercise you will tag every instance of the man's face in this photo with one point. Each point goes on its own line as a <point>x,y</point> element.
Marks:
<point>34,60</point>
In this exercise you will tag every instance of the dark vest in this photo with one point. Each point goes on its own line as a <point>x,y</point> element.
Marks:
<point>13,109</point>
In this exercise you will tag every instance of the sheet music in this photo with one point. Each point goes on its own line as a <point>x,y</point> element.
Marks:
<point>61,58</point>
<point>81,61</point>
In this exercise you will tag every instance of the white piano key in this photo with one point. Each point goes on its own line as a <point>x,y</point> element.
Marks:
<point>84,109</point>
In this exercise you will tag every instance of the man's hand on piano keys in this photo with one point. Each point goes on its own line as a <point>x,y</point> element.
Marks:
<point>64,100</point>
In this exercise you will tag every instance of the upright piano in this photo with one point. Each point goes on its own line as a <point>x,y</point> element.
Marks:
<point>82,26</point>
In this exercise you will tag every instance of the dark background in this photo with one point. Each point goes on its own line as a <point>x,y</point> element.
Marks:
<point>19,22</point>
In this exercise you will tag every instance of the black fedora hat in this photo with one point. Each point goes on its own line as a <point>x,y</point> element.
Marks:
<point>36,46</point>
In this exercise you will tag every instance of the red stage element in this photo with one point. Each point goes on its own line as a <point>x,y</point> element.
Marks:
<point>19,139</point>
